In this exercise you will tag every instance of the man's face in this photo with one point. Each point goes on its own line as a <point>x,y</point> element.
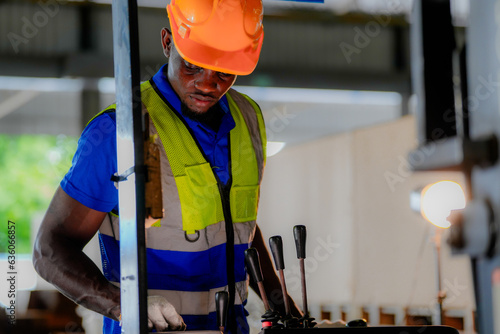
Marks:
<point>197,87</point>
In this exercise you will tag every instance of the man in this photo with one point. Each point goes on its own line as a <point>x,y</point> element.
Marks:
<point>212,152</point>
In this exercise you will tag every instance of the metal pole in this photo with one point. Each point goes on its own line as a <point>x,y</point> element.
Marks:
<point>483,62</point>
<point>130,154</point>
<point>440,294</point>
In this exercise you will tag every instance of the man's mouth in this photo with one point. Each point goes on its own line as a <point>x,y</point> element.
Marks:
<point>202,101</point>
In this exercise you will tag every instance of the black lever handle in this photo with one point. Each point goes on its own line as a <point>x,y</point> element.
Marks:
<point>221,304</point>
<point>253,264</point>
<point>299,233</point>
<point>276,245</point>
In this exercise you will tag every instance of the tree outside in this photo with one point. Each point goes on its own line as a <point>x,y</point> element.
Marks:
<point>31,167</point>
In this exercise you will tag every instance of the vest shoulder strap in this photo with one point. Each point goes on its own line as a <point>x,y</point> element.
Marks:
<point>251,114</point>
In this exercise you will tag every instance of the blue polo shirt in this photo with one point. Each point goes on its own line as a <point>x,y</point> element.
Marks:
<point>88,179</point>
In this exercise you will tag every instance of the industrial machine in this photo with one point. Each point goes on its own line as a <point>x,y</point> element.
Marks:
<point>275,323</point>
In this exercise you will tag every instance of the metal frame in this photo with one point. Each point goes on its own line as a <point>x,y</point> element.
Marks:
<point>482,67</point>
<point>133,270</point>
<point>475,148</point>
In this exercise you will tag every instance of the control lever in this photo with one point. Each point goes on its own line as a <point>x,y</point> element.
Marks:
<point>276,245</point>
<point>253,266</point>
<point>221,303</point>
<point>252,262</point>
<point>299,234</point>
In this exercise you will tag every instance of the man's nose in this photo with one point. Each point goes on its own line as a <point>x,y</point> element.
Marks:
<point>206,81</point>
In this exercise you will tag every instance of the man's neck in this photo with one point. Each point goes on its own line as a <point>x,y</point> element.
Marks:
<point>211,118</point>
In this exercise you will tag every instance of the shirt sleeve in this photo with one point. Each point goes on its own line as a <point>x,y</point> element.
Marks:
<point>89,179</point>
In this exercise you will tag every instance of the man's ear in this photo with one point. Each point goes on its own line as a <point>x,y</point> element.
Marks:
<point>166,41</point>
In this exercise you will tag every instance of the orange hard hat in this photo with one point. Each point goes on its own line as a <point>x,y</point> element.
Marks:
<point>221,35</point>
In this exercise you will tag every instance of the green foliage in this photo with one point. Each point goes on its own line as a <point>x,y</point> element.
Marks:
<point>31,167</point>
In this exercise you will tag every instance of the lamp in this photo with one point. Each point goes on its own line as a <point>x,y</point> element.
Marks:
<point>439,199</point>
<point>435,203</point>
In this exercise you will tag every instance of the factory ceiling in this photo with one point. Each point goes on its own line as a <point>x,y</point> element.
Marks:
<point>340,45</point>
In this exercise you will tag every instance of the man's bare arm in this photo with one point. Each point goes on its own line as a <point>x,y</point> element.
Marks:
<point>66,228</point>
<point>271,280</point>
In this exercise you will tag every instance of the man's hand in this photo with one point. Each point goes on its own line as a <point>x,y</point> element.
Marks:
<point>162,315</point>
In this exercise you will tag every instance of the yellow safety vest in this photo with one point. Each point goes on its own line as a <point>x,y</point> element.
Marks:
<point>197,185</point>
<point>196,203</point>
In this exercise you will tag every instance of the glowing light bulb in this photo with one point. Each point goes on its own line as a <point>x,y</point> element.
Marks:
<point>439,199</point>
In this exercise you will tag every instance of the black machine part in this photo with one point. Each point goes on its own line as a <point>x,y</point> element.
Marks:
<point>221,304</point>
<point>252,264</point>
<point>299,234</point>
<point>276,245</point>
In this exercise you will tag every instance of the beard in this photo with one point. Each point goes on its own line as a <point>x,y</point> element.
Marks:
<point>212,117</point>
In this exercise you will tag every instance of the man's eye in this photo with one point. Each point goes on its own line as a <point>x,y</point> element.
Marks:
<point>191,66</point>
<point>224,75</point>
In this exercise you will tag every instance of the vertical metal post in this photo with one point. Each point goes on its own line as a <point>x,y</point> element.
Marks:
<point>438,316</point>
<point>483,76</point>
<point>130,154</point>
